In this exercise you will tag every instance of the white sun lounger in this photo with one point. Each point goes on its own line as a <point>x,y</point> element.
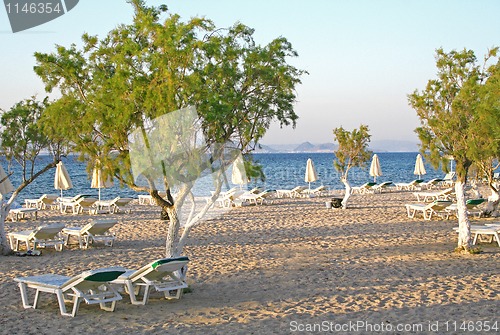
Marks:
<point>43,236</point>
<point>493,230</point>
<point>90,286</point>
<point>163,275</point>
<point>96,230</point>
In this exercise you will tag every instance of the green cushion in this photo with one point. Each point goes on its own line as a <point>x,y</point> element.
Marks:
<point>169,260</point>
<point>475,201</point>
<point>105,276</point>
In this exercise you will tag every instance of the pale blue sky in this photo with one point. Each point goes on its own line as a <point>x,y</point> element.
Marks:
<point>363,56</point>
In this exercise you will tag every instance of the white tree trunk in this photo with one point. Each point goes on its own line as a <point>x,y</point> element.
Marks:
<point>464,234</point>
<point>173,232</point>
<point>4,212</point>
<point>348,191</point>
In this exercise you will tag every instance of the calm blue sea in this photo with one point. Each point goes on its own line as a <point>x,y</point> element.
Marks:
<point>285,170</point>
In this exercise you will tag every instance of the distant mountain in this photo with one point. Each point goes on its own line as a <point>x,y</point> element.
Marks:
<point>309,147</point>
<point>376,146</point>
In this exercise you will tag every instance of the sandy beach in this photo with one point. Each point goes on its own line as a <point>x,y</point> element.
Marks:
<point>292,266</point>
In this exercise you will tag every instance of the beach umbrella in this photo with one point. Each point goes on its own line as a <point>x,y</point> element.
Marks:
<point>375,170</point>
<point>62,181</point>
<point>419,166</point>
<point>5,184</point>
<point>99,181</point>
<point>239,176</point>
<point>311,175</point>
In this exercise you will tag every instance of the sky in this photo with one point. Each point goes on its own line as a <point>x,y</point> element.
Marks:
<point>363,56</point>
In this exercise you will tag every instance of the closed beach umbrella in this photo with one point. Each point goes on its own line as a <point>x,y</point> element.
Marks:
<point>5,184</point>
<point>375,170</point>
<point>99,181</point>
<point>62,181</point>
<point>419,166</point>
<point>311,175</point>
<point>239,176</point>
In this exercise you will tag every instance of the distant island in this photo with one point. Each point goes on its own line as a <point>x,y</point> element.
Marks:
<point>375,146</point>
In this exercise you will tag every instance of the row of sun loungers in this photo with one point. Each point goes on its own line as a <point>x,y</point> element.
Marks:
<point>75,205</point>
<point>57,235</point>
<point>102,286</point>
<point>444,208</point>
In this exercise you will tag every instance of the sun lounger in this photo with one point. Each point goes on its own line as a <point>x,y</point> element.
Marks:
<point>431,183</point>
<point>17,214</point>
<point>80,206</point>
<point>448,179</point>
<point>491,230</point>
<point>122,205</point>
<point>163,275</point>
<point>414,184</point>
<point>437,207</point>
<point>260,198</point>
<point>90,286</point>
<point>43,236</point>
<point>382,186</point>
<point>42,202</point>
<point>96,230</point>
<point>472,206</point>
<point>316,191</point>
<point>438,195</point>
<point>365,188</point>
<point>293,193</point>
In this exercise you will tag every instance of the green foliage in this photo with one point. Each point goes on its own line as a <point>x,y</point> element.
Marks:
<point>457,111</point>
<point>117,84</point>
<point>352,149</point>
<point>22,139</point>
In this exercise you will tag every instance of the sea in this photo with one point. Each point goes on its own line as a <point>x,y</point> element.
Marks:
<point>282,171</point>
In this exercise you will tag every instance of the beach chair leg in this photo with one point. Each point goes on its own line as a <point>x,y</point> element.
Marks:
<point>62,305</point>
<point>24,296</point>
<point>497,238</point>
<point>474,241</point>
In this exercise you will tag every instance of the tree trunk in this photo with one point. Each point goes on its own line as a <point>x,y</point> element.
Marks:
<point>493,201</point>
<point>464,234</point>
<point>4,243</point>
<point>173,232</point>
<point>348,191</point>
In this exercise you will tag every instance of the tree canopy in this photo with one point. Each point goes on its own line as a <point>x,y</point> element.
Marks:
<point>459,114</point>
<point>119,84</point>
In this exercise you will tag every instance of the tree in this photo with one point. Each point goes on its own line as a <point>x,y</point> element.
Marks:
<point>454,121</point>
<point>487,159</point>
<point>22,141</point>
<point>143,71</point>
<point>352,152</point>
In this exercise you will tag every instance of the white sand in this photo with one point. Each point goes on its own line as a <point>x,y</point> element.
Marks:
<point>277,269</point>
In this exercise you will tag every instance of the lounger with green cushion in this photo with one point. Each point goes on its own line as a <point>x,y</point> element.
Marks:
<point>431,183</point>
<point>412,185</point>
<point>382,186</point>
<point>90,286</point>
<point>436,207</point>
<point>471,205</point>
<point>365,188</point>
<point>43,236</point>
<point>95,230</point>
<point>163,275</point>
